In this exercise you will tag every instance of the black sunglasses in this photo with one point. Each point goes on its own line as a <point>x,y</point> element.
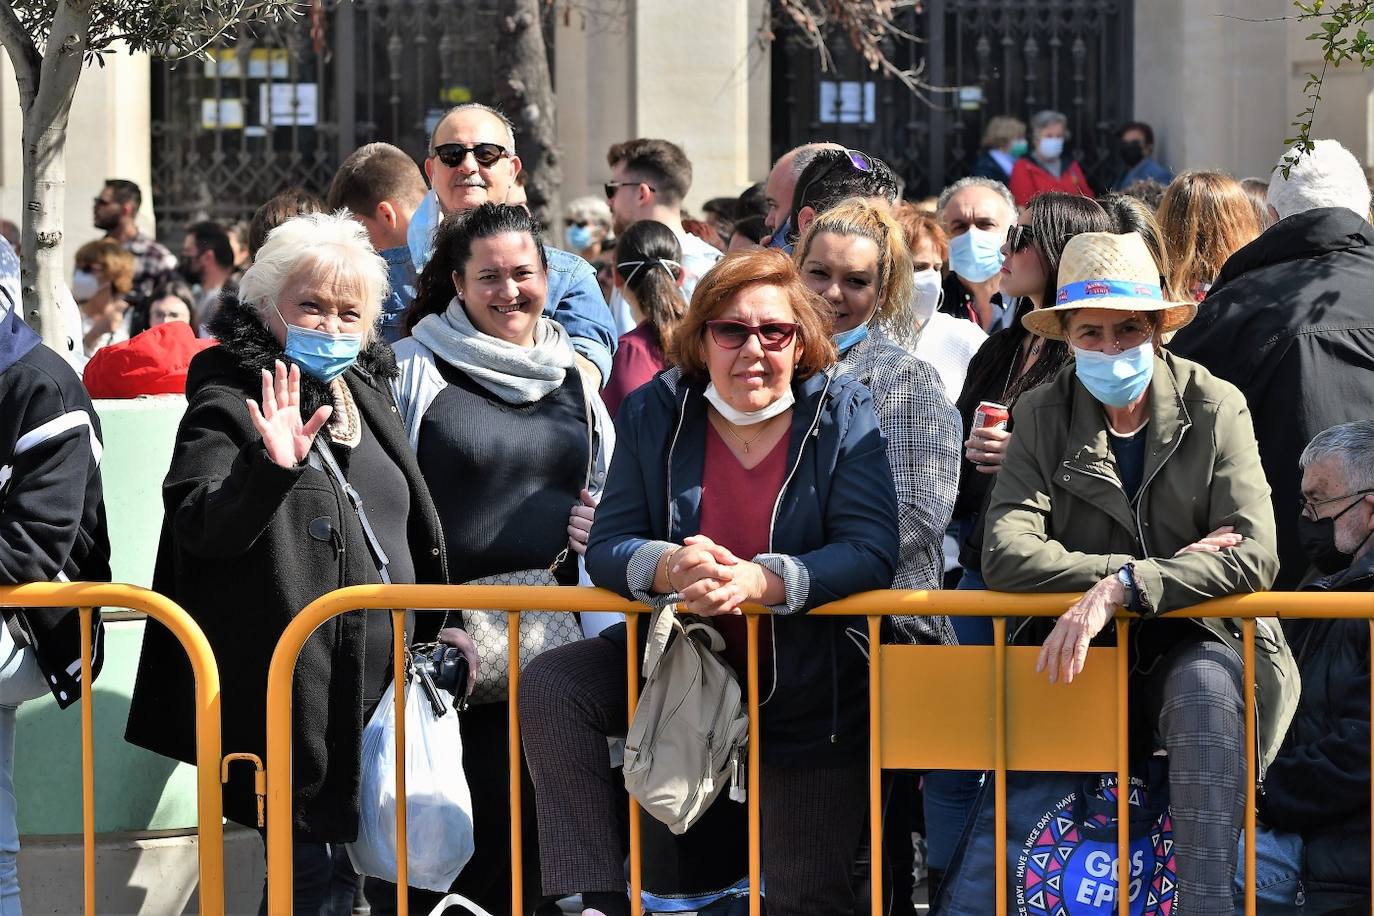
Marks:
<point>731,335</point>
<point>1019,238</point>
<point>611,187</point>
<point>486,154</point>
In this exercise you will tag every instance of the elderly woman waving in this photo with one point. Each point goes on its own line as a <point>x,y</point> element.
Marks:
<point>1134,477</point>
<point>747,474</point>
<point>258,524</point>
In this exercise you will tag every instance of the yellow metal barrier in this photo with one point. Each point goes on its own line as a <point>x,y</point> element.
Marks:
<point>86,596</point>
<point>968,680</point>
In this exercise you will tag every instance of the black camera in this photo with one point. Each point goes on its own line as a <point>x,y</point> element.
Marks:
<point>442,667</point>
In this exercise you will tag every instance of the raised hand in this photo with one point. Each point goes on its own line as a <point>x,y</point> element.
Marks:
<point>278,421</point>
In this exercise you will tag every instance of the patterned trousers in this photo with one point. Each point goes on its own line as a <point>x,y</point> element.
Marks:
<point>1194,694</point>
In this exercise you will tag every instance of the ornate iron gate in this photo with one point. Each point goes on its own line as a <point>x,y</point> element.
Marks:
<point>283,105</point>
<point>995,57</point>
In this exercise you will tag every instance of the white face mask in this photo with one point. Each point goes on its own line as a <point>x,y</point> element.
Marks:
<point>1050,147</point>
<point>748,417</point>
<point>926,297</point>
<point>85,285</point>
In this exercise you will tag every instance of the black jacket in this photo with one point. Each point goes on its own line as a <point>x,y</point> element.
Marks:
<point>1318,785</point>
<point>835,523</point>
<point>246,544</point>
<point>1290,322</point>
<point>52,515</point>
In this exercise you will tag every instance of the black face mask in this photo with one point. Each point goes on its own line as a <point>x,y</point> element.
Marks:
<point>186,267</point>
<point>1318,540</point>
<point>1131,153</point>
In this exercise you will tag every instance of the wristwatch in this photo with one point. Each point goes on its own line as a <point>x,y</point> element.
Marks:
<point>1127,579</point>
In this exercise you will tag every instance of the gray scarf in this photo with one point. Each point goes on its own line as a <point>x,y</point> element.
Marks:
<point>515,374</point>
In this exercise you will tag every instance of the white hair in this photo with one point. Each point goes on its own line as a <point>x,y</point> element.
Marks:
<point>1353,442</point>
<point>322,242</point>
<point>591,208</point>
<point>1329,176</point>
<point>977,181</point>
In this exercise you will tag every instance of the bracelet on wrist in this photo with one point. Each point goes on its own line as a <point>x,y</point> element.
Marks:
<point>668,569</point>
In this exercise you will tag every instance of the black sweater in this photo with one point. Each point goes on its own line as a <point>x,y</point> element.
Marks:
<point>504,477</point>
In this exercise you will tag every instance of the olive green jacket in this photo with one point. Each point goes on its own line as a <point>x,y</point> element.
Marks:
<point>1060,521</point>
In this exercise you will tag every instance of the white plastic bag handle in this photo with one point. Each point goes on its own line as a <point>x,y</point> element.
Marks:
<point>457,900</point>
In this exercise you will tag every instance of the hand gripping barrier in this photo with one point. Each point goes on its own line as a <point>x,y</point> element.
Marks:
<point>86,596</point>
<point>980,689</point>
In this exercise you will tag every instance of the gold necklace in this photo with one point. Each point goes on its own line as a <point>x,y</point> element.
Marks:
<point>730,428</point>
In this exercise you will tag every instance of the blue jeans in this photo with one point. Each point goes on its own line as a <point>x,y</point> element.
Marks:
<point>1278,872</point>
<point>20,680</point>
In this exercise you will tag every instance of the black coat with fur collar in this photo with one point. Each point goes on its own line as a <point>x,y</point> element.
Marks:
<point>240,553</point>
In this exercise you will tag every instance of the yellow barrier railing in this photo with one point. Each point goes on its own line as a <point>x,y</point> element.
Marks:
<point>86,596</point>
<point>1006,673</point>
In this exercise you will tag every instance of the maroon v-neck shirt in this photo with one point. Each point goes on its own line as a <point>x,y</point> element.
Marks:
<point>737,512</point>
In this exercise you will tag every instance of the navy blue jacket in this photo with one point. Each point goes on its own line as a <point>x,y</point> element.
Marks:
<point>834,534</point>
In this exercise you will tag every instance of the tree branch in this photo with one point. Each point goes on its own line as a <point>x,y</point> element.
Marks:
<point>24,56</point>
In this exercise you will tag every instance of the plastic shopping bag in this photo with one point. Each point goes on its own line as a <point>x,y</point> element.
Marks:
<point>438,807</point>
<point>442,906</point>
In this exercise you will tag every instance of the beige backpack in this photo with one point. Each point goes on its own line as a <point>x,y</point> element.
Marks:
<point>690,729</point>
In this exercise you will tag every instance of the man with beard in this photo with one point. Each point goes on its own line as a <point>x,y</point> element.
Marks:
<point>207,262</point>
<point>115,211</point>
<point>472,161</point>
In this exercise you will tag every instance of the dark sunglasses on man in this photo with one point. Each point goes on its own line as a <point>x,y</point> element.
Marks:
<point>486,154</point>
<point>731,335</point>
<point>611,187</point>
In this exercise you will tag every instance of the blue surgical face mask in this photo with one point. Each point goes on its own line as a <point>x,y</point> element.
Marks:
<point>846,339</point>
<point>420,233</point>
<point>578,237</point>
<point>1116,380</point>
<point>1050,147</point>
<point>779,239</point>
<point>321,354</point>
<point>976,255</point>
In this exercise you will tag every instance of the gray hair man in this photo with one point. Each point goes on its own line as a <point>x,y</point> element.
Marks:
<point>1287,321</point>
<point>976,213</point>
<point>1314,811</point>
<point>782,184</point>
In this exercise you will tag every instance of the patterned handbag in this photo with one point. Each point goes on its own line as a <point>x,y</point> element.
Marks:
<point>539,632</point>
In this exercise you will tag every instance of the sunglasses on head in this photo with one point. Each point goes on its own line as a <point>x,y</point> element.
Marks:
<point>856,160</point>
<point>486,154</point>
<point>731,335</point>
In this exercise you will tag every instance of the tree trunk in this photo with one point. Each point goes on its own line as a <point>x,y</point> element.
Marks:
<point>526,95</point>
<point>41,260</point>
<point>42,266</point>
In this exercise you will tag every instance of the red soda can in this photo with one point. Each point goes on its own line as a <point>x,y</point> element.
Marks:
<point>990,413</point>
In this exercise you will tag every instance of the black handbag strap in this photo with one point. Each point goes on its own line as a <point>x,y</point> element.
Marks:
<point>374,545</point>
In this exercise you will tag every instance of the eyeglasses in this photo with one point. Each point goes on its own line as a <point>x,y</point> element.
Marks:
<point>731,335</point>
<point>1309,507</point>
<point>856,160</point>
<point>486,154</point>
<point>612,186</point>
<point>1019,238</point>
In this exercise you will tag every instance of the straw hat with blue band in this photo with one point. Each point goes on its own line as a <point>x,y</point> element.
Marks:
<point>1101,270</point>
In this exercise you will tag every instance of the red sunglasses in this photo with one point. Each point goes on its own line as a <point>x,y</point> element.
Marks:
<point>731,335</point>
